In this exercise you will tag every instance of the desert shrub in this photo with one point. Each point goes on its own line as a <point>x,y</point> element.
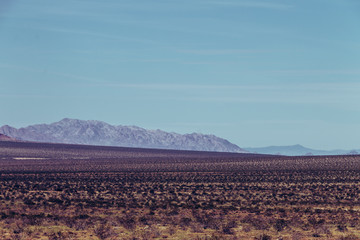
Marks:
<point>341,227</point>
<point>34,219</point>
<point>185,221</point>
<point>103,231</point>
<point>82,216</point>
<point>208,220</point>
<point>258,222</point>
<point>172,230</point>
<point>227,230</point>
<point>196,227</point>
<point>280,224</point>
<point>152,232</point>
<point>144,220</point>
<point>312,220</point>
<point>263,237</point>
<point>69,221</point>
<point>61,236</point>
<point>228,227</point>
<point>18,226</point>
<point>246,228</point>
<point>349,237</point>
<point>128,221</point>
<point>80,225</point>
<point>296,236</point>
<point>323,229</point>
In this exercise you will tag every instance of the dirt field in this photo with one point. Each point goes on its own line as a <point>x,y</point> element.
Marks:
<point>54,191</point>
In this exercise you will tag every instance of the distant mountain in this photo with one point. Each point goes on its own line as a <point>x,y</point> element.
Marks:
<point>100,133</point>
<point>299,150</point>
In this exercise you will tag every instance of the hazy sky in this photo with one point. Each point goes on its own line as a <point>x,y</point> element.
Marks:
<point>256,72</point>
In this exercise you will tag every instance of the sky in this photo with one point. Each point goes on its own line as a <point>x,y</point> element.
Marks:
<point>256,72</point>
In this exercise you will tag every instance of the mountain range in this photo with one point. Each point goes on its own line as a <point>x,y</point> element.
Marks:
<point>298,150</point>
<point>74,131</point>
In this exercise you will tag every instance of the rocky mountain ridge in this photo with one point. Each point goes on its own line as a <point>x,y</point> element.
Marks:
<point>93,132</point>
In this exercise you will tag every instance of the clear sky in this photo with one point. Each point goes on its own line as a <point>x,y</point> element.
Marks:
<point>256,72</point>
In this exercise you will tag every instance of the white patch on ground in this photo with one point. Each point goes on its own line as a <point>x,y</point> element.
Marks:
<point>28,158</point>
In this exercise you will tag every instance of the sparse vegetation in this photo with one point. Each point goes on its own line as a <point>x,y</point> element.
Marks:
<point>81,192</point>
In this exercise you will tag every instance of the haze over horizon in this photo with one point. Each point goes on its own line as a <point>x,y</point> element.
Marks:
<point>257,73</point>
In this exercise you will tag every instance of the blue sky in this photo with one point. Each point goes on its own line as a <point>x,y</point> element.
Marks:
<point>255,72</point>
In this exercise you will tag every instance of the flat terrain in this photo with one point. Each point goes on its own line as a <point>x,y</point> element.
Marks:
<point>55,191</point>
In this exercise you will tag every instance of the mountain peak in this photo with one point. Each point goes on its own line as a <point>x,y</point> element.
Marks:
<point>298,145</point>
<point>94,132</point>
<point>70,120</point>
<point>67,120</point>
